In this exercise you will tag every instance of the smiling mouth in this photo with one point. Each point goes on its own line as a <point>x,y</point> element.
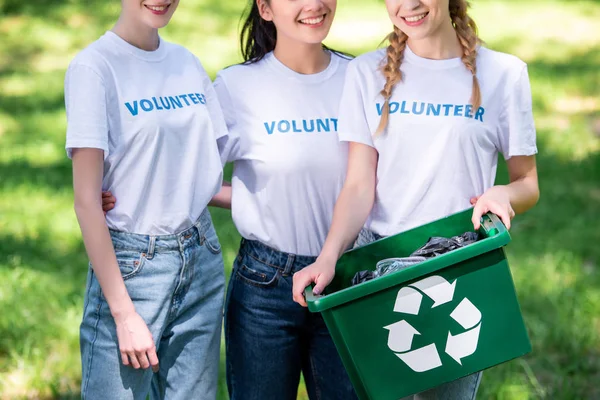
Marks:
<point>158,8</point>
<point>415,18</point>
<point>313,21</point>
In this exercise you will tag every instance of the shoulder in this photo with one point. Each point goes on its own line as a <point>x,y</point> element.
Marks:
<point>178,51</point>
<point>370,60</point>
<point>499,65</point>
<point>92,59</point>
<point>242,70</point>
<point>238,75</point>
<point>368,64</point>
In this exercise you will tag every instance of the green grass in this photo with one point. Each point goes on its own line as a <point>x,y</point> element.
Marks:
<point>554,254</point>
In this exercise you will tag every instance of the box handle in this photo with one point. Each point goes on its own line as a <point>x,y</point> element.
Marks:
<point>492,225</point>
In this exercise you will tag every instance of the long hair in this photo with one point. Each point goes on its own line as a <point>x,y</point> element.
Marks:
<point>258,37</point>
<point>466,31</point>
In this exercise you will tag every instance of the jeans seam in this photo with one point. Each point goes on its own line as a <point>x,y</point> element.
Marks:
<point>91,356</point>
<point>87,289</point>
<point>263,262</point>
<point>227,341</point>
<point>314,377</point>
<point>173,297</point>
<point>264,285</point>
<point>476,384</point>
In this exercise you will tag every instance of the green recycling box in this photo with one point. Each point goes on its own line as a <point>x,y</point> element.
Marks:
<point>434,322</point>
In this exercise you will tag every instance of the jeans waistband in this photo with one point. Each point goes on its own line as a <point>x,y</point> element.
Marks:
<point>153,243</point>
<point>286,262</point>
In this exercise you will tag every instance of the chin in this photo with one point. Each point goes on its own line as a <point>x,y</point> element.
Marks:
<point>157,23</point>
<point>317,37</point>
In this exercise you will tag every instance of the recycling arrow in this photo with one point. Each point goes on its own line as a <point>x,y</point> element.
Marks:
<point>464,344</point>
<point>401,334</point>
<point>437,288</point>
<point>408,301</point>
<point>423,359</point>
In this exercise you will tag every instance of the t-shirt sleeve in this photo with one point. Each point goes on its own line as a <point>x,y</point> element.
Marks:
<point>353,122</point>
<point>229,147</point>
<point>85,103</point>
<point>517,128</point>
<point>214,107</point>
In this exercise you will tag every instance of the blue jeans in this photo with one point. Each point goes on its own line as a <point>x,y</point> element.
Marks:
<point>270,339</point>
<point>460,389</point>
<point>176,283</point>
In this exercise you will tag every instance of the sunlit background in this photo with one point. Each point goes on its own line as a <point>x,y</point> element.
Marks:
<point>554,255</point>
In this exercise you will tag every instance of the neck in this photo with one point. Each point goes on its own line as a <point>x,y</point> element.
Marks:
<point>142,37</point>
<point>440,45</point>
<point>303,58</point>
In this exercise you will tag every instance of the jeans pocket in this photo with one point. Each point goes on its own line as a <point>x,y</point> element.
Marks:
<point>130,262</point>
<point>256,273</point>
<point>211,240</point>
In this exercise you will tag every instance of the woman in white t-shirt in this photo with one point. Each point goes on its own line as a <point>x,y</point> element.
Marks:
<point>143,122</point>
<point>425,120</point>
<point>281,109</point>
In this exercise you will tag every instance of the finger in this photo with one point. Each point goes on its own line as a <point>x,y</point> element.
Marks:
<point>298,295</point>
<point>321,283</point>
<point>125,358</point>
<point>474,200</point>
<point>478,212</point>
<point>109,200</point>
<point>107,194</point>
<point>143,358</point>
<point>134,361</point>
<point>153,358</point>
<point>300,283</point>
<point>507,219</point>
<point>108,206</point>
<point>502,213</point>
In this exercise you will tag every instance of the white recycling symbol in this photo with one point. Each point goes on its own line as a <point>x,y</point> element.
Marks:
<point>408,301</point>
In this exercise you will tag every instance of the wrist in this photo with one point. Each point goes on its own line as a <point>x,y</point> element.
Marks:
<point>328,258</point>
<point>122,309</point>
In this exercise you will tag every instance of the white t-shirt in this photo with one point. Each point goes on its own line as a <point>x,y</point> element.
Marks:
<point>157,118</point>
<point>437,152</point>
<point>289,165</point>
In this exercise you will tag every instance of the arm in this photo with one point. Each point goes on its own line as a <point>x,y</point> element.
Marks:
<point>223,198</point>
<point>351,211</point>
<point>521,194</point>
<point>135,341</point>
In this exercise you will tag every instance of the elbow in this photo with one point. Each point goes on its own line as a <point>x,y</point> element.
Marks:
<point>84,206</point>
<point>533,197</point>
<point>364,191</point>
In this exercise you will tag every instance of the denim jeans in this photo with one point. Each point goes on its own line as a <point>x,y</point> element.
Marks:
<point>270,339</point>
<point>176,283</point>
<point>460,389</point>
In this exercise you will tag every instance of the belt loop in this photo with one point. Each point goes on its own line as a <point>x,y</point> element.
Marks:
<point>289,265</point>
<point>151,247</point>
<point>202,224</point>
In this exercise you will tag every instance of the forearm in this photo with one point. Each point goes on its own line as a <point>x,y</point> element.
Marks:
<point>523,193</point>
<point>351,211</point>
<point>101,253</point>
<point>223,198</point>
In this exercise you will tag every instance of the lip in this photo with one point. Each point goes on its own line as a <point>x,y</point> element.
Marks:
<point>163,12</point>
<point>415,23</point>
<point>320,24</point>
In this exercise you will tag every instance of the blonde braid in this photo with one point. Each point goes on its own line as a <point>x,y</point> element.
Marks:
<point>391,72</point>
<point>466,30</point>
